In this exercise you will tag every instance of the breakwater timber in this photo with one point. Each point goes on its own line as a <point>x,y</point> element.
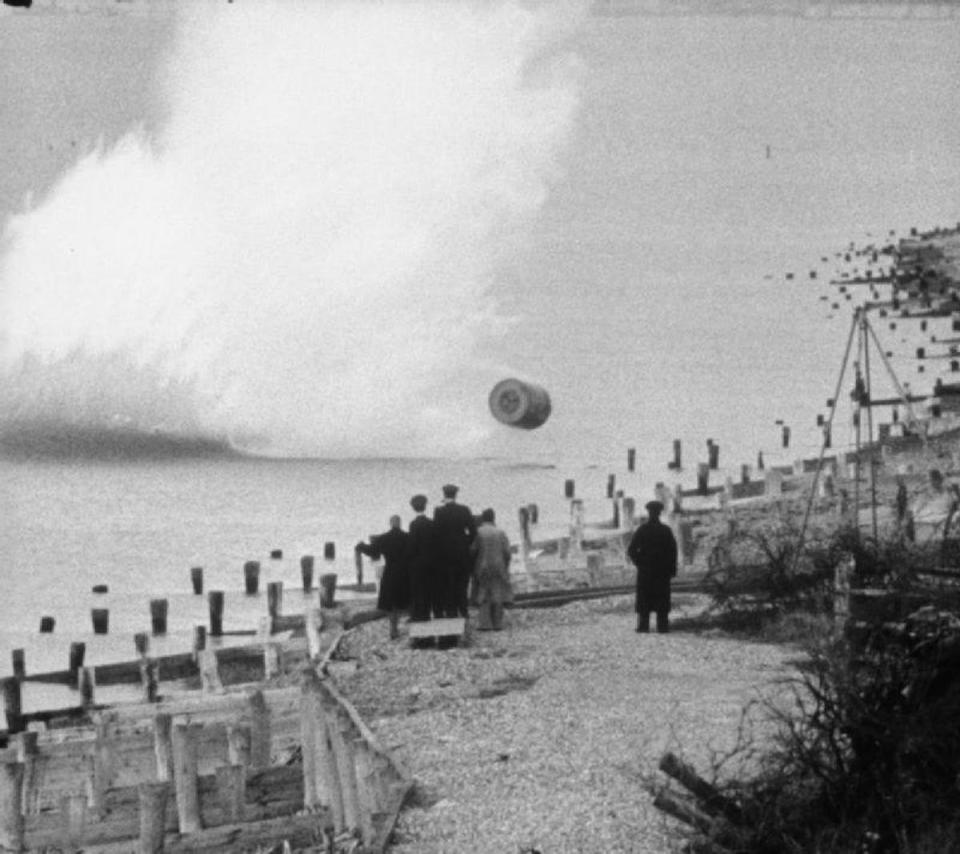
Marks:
<point>228,748</point>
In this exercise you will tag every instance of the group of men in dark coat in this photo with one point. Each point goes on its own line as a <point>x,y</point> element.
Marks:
<point>428,569</point>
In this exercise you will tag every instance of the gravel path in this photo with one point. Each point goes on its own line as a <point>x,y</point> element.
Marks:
<point>538,738</point>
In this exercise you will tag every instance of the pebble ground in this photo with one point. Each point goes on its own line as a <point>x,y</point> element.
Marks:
<point>540,738</point>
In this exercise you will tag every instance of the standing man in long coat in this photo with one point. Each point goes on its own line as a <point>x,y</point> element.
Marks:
<point>455,529</point>
<point>394,595</point>
<point>653,550</point>
<point>425,594</point>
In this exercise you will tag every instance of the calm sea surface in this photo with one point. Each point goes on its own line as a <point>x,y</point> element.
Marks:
<point>650,296</point>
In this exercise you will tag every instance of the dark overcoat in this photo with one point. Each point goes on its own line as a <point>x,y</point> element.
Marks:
<point>394,593</point>
<point>454,528</point>
<point>425,590</point>
<point>653,550</point>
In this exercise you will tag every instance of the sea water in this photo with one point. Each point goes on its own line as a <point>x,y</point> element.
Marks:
<point>654,191</point>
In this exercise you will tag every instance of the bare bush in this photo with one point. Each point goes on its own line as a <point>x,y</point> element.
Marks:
<point>865,755</point>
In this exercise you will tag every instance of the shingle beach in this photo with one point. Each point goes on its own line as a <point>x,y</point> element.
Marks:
<point>539,738</point>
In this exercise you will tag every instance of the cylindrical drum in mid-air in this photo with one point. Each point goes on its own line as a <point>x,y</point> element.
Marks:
<point>520,404</point>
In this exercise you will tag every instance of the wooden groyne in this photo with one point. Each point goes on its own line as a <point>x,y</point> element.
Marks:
<point>210,770</point>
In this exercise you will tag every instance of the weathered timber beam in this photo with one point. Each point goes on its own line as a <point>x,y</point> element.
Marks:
<point>301,831</point>
<point>271,793</point>
<point>386,821</point>
<point>179,665</point>
<point>711,800</point>
<point>684,810</point>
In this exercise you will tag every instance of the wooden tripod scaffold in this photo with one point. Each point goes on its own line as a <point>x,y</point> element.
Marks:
<point>862,330</point>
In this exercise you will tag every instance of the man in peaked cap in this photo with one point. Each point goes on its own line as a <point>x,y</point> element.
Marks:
<point>653,550</point>
<point>455,529</point>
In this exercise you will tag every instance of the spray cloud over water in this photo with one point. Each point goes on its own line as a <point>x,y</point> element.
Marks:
<point>301,262</point>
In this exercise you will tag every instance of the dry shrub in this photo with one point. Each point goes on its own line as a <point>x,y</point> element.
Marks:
<point>866,751</point>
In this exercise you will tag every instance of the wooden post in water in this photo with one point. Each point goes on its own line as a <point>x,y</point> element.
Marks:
<point>329,551</point>
<point>12,836</point>
<point>328,589</point>
<point>150,679</point>
<point>274,599</point>
<point>152,799</point>
<point>185,737</point>
<point>713,451</point>
<point>744,473</point>
<point>631,459</point>
<point>46,625</point>
<point>78,650</point>
<point>86,687</point>
<point>523,517</point>
<point>158,616</point>
<point>251,577</point>
<point>12,704</point>
<point>675,463</point>
<point>199,641</point>
<point>231,792</point>
<point>141,644</point>
<point>306,572</point>
<point>215,604</point>
<point>569,488</point>
<point>686,541</point>
<point>19,662</point>
<point>100,617</point>
<point>703,478</point>
<point>576,523</point>
<point>611,484</point>
<point>196,579</point>
<point>358,565</point>
<point>163,745</point>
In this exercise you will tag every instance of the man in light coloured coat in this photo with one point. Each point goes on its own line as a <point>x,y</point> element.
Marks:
<point>491,550</point>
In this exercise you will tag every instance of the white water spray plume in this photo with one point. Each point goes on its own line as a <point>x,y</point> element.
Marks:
<point>301,262</point>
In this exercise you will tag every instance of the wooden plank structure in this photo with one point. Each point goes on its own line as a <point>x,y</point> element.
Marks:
<point>219,768</point>
<point>212,771</point>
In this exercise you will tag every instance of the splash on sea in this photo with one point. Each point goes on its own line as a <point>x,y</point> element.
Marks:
<point>60,440</point>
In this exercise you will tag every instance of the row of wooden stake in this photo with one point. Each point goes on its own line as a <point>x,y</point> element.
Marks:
<point>346,782</point>
<point>159,608</point>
